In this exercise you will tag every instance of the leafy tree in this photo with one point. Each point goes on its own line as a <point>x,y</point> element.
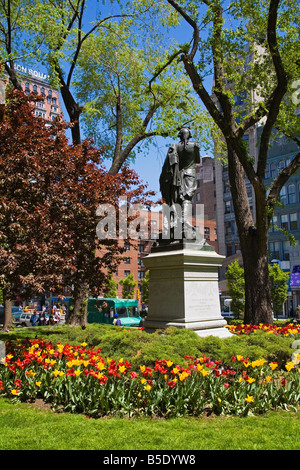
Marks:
<point>236,288</point>
<point>33,239</point>
<point>279,287</point>
<point>20,35</point>
<point>223,41</point>
<point>129,285</point>
<point>110,288</point>
<point>115,85</point>
<point>49,195</point>
<point>122,108</point>
<point>145,288</point>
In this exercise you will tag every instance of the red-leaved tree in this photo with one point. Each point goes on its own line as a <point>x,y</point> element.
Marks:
<point>49,194</point>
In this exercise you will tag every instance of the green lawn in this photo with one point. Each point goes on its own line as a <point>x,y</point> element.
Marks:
<point>27,427</point>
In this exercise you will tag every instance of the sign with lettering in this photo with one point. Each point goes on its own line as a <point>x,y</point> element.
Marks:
<point>33,73</point>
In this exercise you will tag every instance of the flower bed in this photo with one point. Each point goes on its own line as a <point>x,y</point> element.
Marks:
<point>78,379</point>
<point>287,330</point>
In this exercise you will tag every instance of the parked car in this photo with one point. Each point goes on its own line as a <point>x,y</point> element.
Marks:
<point>24,319</point>
<point>15,311</point>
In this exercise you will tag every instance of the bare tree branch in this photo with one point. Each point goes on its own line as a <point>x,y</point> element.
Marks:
<point>279,92</point>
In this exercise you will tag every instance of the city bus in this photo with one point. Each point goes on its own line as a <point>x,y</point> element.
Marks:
<point>103,310</point>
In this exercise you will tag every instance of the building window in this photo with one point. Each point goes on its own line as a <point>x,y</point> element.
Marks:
<point>285,222</point>
<point>126,246</point>
<point>227,207</point>
<point>274,223</point>
<point>285,250</point>
<point>274,250</point>
<point>293,221</point>
<point>283,195</point>
<point>126,260</point>
<point>229,249</point>
<point>198,197</point>
<point>207,233</point>
<point>141,275</point>
<point>292,193</point>
<point>273,170</point>
<point>228,228</point>
<point>126,272</point>
<point>281,165</point>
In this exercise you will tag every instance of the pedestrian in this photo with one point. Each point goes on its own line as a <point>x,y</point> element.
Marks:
<point>42,318</point>
<point>117,321</point>
<point>34,319</point>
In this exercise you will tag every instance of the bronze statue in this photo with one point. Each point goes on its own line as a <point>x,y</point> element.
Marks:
<point>178,180</point>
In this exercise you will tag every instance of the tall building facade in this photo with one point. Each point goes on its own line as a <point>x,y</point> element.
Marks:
<point>206,188</point>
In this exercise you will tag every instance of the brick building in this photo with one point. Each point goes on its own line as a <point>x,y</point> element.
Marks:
<point>36,82</point>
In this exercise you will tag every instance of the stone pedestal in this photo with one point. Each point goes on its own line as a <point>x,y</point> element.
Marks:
<point>183,290</point>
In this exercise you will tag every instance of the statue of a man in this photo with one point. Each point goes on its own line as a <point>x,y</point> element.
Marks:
<point>178,177</point>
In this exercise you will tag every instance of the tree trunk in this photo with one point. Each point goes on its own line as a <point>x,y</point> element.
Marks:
<point>257,284</point>
<point>74,111</point>
<point>8,320</point>
<point>78,316</point>
<point>254,245</point>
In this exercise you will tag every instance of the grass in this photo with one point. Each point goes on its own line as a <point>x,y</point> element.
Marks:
<point>27,427</point>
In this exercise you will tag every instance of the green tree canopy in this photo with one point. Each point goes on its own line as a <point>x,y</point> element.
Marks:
<point>128,284</point>
<point>236,288</point>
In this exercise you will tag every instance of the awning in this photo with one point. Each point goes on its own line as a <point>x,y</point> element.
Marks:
<point>295,277</point>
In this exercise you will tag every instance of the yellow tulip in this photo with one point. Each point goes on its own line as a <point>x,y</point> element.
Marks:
<point>289,366</point>
<point>249,399</point>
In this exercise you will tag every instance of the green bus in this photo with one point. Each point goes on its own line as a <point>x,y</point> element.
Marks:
<point>103,310</point>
